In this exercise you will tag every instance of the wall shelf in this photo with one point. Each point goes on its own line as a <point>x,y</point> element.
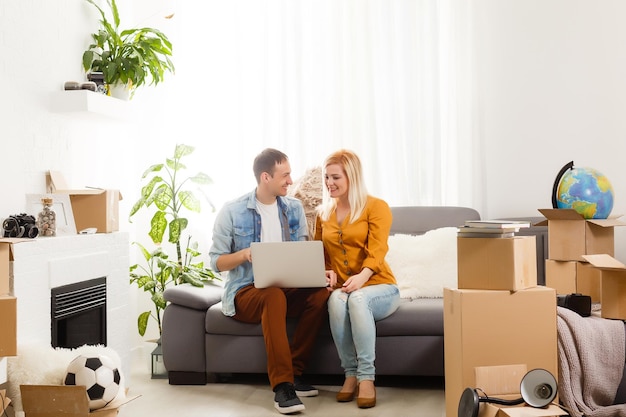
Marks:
<point>88,103</point>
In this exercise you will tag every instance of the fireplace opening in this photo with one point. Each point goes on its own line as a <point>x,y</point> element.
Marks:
<point>78,313</point>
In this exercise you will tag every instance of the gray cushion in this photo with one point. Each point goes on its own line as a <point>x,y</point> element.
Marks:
<point>197,298</point>
<point>423,316</point>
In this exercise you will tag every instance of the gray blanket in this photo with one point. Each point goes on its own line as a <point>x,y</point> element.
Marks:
<point>591,363</point>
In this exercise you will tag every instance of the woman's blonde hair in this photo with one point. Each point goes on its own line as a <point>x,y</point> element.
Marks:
<point>357,192</point>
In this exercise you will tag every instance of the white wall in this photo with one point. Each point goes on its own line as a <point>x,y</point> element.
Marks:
<point>41,45</point>
<point>551,89</point>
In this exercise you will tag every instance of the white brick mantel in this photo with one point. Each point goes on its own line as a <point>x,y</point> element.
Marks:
<point>47,262</point>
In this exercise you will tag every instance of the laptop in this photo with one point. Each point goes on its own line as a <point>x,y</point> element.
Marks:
<point>296,264</point>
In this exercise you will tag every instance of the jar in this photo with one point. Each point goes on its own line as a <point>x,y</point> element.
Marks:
<point>47,219</point>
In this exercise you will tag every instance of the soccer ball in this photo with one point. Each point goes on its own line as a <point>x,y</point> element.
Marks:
<point>98,374</point>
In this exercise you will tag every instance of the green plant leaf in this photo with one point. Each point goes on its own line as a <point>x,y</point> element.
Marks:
<point>183,150</point>
<point>189,201</point>
<point>176,228</point>
<point>201,178</point>
<point>163,196</point>
<point>153,168</point>
<point>157,227</point>
<point>142,322</point>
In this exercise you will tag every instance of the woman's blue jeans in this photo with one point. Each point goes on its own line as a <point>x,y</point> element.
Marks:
<point>352,324</point>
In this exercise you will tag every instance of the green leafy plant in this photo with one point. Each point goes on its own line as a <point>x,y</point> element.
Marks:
<point>132,57</point>
<point>167,196</point>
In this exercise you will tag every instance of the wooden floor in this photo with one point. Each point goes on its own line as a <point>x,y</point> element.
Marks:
<point>250,395</point>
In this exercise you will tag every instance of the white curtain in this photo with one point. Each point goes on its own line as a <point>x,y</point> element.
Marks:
<point>389,79</point>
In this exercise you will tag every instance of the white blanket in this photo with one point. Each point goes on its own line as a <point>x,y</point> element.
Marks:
<point>423,265</point>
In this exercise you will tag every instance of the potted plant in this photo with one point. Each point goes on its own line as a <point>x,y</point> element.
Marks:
<point>127,58</point>
<point>168,198</point>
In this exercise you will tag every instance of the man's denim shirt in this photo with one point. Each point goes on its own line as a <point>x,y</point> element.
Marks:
<point>237,225</point>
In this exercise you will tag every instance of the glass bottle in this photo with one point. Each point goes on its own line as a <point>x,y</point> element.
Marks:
<point>47,219</point>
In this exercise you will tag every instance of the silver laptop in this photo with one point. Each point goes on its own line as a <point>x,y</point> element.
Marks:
<point>298,264</point>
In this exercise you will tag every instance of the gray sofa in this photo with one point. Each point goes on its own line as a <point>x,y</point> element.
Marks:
<point>200,343</point>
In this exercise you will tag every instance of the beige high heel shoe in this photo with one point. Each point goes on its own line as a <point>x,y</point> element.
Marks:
<point>366,402</point>
<point>347,396</point>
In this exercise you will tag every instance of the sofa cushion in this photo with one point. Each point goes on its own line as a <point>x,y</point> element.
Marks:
<point>197,298</point>
<point>413,318</point>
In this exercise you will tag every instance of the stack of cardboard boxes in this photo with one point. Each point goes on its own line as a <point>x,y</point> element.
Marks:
<point>580,259</point>
<point>498,316</point>
<point>8,320</point>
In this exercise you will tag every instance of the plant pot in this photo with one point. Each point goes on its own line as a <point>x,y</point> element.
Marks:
<point>120,91</point>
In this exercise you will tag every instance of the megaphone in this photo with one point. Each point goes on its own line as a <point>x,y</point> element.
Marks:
<point>538,389</point>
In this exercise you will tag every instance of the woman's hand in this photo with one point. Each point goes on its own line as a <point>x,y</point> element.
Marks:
<point>331,279</point>
<point>356,281</point>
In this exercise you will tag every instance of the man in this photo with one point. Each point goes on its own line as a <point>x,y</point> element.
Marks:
<point>264,215</point>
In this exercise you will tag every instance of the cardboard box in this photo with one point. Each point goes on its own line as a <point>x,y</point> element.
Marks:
<point>93,207</point>
<point>5,268</point>
<point>8,326</point>
<point>613,276</point>
<point>568,277</point>
<point>570,235</point>
<point>504,382</point>
<point>6,263</point>
<point>497,263</point>
<point>4,400</point>
<point>64,401</point>
<point>491,328</point>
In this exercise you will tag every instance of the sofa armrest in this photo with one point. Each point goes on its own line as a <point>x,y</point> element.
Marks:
<point>197,298</point>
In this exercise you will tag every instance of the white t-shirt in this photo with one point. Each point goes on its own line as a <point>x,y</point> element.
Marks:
<point>270,222</point>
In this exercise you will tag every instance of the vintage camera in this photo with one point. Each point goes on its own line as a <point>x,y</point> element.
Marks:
<point>577,302</point>
<point>20,225</point>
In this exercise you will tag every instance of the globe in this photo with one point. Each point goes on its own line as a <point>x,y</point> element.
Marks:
<point>585,190</point>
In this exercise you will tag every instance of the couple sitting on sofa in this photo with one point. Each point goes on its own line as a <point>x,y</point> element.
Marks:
<point>354,228</point>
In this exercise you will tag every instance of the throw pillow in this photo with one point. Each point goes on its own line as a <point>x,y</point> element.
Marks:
<point>424,265</point>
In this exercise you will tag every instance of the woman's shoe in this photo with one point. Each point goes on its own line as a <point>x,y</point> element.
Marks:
<point>347,396</point>
<point>366,402</point>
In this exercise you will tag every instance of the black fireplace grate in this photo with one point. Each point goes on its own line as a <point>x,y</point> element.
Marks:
<point>78,313</point>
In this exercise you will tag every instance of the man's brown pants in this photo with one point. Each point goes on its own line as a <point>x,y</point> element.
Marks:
<point>271,307</point>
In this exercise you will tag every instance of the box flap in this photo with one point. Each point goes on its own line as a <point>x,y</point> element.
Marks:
<point>604,261</point>
<point>609,222</point>
<point>501,379</point>
<point>65,401</point>
<point>4,400</point>
<point>561,214</point>
<point>551,410</point>
<point>571,214</point>
<point>55,184</point>
<point>55,400</point>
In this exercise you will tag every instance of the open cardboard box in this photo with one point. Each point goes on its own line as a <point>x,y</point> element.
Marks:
<point>6,263</point>
<point>503,382</point>
<point>64,401</point>
<point>4,400</point>
<point>496,328</point>
<point>92,207</point>
<point>571,235</point>
<point>8,326</point>
<point>613,285</point>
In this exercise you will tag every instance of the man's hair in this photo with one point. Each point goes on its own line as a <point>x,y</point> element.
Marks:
<point>266,162</point>
<point>357,191</point>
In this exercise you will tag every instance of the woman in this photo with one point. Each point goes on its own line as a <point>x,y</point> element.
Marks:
<point>354,228</point>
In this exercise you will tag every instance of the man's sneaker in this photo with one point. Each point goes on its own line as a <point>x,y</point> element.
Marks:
<point>285,399</point>
<point>303,389</point>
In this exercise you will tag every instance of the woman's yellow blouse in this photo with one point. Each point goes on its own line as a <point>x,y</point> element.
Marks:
<point>350,247</point>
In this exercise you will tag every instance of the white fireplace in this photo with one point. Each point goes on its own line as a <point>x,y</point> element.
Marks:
<point>49,262</point>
